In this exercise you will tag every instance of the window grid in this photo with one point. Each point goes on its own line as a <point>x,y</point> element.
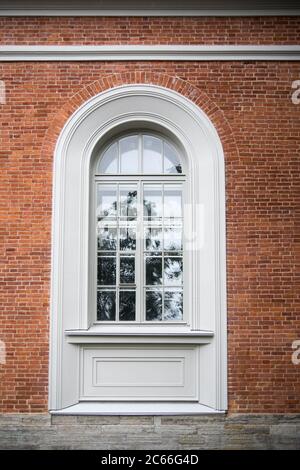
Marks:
<point>163,253</point>
<point>140,287</point>
<point>118,223</point>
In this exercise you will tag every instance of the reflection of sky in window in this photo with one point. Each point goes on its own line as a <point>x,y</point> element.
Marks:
<point>152,200</point>
<point>129,147</point>
<point>107,201</point>
<point>144,153</point>
<point>172,201</point>
<point>152,155</point>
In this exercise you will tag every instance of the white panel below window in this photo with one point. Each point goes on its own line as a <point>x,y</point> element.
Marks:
<point>139,373</point>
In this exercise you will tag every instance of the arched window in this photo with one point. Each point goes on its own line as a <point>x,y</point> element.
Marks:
<point>139,183</point>
<point>138,311</point>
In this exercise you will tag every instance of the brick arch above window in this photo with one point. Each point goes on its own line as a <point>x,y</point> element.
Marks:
<point>184,87</point>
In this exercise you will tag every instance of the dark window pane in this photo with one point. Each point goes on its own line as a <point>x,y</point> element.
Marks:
<point>173,271</point>
<point>106,271</point>
<point>173,305</point>
<point>153,270</point>
<point>127,268</point>
<point>127,305</point>
<point>107,238</point>
<point>153,305</point>
<point>106,305</point>
<point>127,239</point>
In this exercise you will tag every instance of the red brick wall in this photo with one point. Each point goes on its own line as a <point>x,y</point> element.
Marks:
<point>150,30</point>
<point>262,147</point>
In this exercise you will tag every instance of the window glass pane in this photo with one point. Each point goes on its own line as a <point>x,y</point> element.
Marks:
<point>173,239</point>
<point>173,304</point>
<point>152,155</point>
<point>129,147</point>
<point>128,201</point>
<point>106,305</point>
<point>153,305</point>
<point>106,270</point>
<point>107,238</point>
<point>153,238</point>
<point>127,305</point>
<point>172,201</point>
<point>152,201</point>
<point>127,269</point>
<point>109,160</point>
<point>153,270</point>
<point>106,201</point>
<point>128,238</point>
<point>171,159</point>
<point>172,271</point>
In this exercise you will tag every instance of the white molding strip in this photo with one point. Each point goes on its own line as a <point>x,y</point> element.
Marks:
<point>144,52</point>
<point>148,12</point>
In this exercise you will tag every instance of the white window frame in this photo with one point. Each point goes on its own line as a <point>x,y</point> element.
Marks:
<point>140,179</point>
<point>111,112</point>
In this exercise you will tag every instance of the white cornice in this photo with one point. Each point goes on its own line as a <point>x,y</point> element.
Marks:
<point>161,52</point>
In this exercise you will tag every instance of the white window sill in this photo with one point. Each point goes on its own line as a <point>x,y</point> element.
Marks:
<point>131,409</point>
<point>142,334</point>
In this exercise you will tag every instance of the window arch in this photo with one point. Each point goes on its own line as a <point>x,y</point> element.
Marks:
<point>139,185</point>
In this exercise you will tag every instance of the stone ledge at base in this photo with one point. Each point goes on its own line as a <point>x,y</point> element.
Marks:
<point>234,431</point>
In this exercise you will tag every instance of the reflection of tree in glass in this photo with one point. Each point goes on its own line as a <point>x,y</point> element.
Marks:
<point>106,271</point>
<point>127,239</point>
<point>127,306</point>
<point>107,239</point>
<point>129,205</point>
<point>154,239</point>
<point>150,209</point>
<point>173,306</point>
<point>173,271</point>
<point>175,169</point>
<point>110,211</point>
<point>153,270</point>
<point>106,306</point>
<point>172,239</point>
<point>153,305</point>
<point>126,270</point>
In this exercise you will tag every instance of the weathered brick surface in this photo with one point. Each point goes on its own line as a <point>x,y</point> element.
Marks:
<point>150,30</point>
<point>250,105</point>
<point>145,432</point>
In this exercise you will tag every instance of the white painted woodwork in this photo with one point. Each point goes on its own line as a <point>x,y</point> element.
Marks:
<point>139,373</point>
<point>13,53</point>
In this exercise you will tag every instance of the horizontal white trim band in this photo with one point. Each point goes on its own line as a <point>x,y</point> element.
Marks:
<point>143,52</point>
<point>135,408</point>
<point>148,12</point>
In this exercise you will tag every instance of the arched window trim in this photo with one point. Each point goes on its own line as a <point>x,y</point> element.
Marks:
<point>159,108</point>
